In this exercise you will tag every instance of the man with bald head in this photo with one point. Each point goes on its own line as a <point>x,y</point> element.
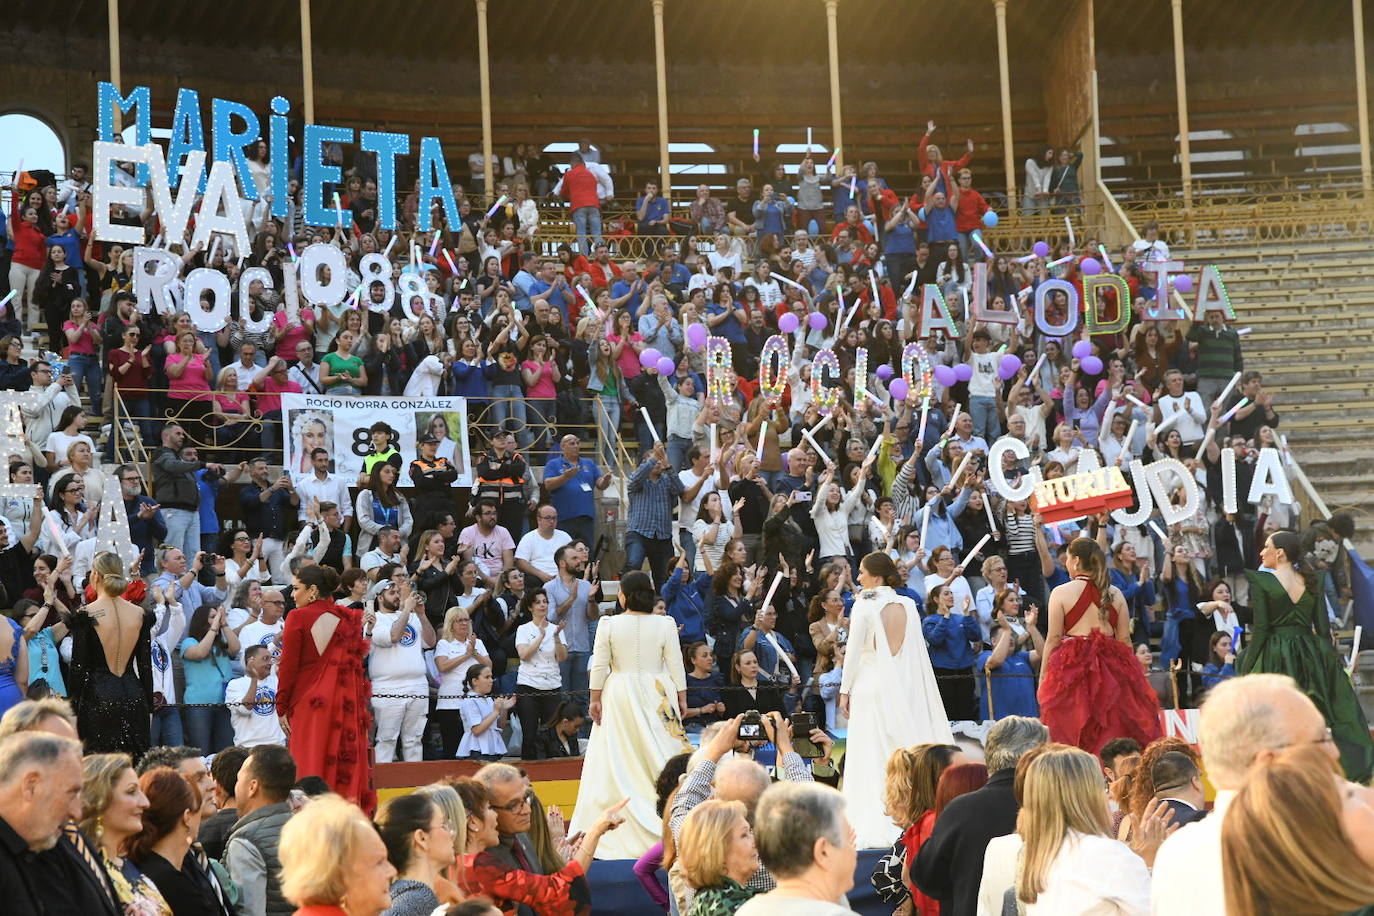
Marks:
<point>739,778</point>
<point>1244,721</point>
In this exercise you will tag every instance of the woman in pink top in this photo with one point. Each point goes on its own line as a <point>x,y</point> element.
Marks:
<point>626,344</point>
<point>230,416</point>
<point>269,387</point>
<point>288,333</point>
<point>83,358</point>
<point>188,384</point>
<point>540,373</point>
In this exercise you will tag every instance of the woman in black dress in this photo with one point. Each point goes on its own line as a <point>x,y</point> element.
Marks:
<point>111,670</point>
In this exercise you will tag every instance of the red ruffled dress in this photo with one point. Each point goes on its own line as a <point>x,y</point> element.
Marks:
<point>1093,689</point>
<point>327,700</point>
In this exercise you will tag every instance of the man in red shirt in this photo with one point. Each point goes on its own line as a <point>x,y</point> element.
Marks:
<point>969,214</point>
<point>579,188</point>
<point>853,221</point>
<point>602,270</point>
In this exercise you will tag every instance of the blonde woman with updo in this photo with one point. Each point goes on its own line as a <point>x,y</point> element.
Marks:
<point>111,669</point>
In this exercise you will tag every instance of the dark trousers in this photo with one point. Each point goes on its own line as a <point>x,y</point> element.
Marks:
<point>450,723</point>
<point>582,528</point>
<point>658,551</point>
<point>1024,570</point>
<point>534,709</point>
<point>956,692</point>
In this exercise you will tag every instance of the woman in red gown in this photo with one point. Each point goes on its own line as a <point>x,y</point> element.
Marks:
<point>1093,689</point>
<point>323,697</point>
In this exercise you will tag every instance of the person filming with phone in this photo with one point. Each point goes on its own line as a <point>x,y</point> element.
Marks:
<point>711,775</point>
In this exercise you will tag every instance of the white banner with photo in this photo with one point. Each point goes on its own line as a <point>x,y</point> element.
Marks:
<point>341,424</point>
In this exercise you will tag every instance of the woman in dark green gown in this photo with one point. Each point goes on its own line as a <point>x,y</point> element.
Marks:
<point>1293,637</point>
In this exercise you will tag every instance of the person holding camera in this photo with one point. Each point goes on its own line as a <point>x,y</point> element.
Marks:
<point>741,779</point>
<point>638,693</point>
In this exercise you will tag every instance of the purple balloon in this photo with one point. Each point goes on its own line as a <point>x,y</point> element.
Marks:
<point>963,372</point>
<point>1041,249</point>
<point>1091,365</point>
<point>899,389</point>
<point>1183,283</point>
<point>884,372</point>
<point>696,336</point>
<point>1090,266</point>
<point>945,376</point>
<point>1082,350</point>
<point>1009,366</point>
<point>649,358</point>
<point>818,321</point>
<point>666,366</point>
<point>788,322</point>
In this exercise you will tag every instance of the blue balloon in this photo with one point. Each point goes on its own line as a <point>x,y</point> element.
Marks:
<point>990,218</point>
<point>921,213</point>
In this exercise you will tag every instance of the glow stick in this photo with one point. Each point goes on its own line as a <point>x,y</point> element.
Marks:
<point>1241,332</point>
<point>1036,368</point>
<point>986,250</point>
<point>1064,260</point>
<point>451,266</point>
<point>5,301</point>
<point>1126,443</point>
<point>434,245</point>
<point>781,279</point>
<point>1069,226</point>
<point>925,522</point>
<point>977,547</point>
<point>877,444</point>
<point>214,250</point>
<point>1154,526</point>
<point>1168,421</point>
<point>357,297</point>
<point>873,281</point>
<point>756,142</point>
<point>950,431</point>
<point>389,245</point>
<point>1230,386</point>
<point>1354,649</point>
<point>1102,250</point>
<point>968,456</point>
<point>874,398</point>
<point>925,412</point>
<point>644,412</point>
<point>763,433</point>
<point>290,247</point>
<point>816,445</point>
<point>821,425</point>
<point>1025,259</point>
<point>1206,441</point>
<point>987,508</point>
<point>588,297</point>
<point>713,450</point>
<point>768,598</point>
<point>830,163</point>
<point>496,206</point>
<point>55,532</point>
<point>1226,417</point>
<point>808,139</point>
<point>854,189</point>
<point>338,209</point>
<point>910,287</point>
<point>1137,402</point>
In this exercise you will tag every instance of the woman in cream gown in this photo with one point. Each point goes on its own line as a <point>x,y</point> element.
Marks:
<point>639,689</point>
<point>889,694</point>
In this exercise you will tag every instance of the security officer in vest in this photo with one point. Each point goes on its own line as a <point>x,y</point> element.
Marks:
<point>383,452</point>
<point>431,476</point>
<point>503,475</point>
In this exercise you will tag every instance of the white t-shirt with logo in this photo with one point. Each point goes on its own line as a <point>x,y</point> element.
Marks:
<point>256,724</point>
<point>983,383</point>
<point>258,633</point>
<point>451,682</point>
<point>397,667</point>
<point>168,628</point>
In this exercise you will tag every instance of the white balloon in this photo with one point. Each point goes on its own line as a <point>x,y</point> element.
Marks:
<point>199,280</point>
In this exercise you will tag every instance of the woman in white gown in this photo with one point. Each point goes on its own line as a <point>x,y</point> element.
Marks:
<point>639,689</point>
<point>889,694</point>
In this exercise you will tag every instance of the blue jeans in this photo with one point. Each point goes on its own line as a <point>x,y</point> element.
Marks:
<point>689,546</point>
<point>271,423</point>
<point>208,728</point>
<point>183,530</point>
<point>573,671</point>
<point>983,410</point>
<point>87,366</point>
<point>167,727</point>
<point>608,415</point>
<point>587,221</point>
<point>512,408</point>
<point>677,452</point>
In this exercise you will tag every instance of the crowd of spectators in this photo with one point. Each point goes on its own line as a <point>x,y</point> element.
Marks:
<point>481,609</point>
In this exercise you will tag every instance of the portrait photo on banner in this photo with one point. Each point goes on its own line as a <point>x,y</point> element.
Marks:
<point>450,427</point>
<point>310,428</point>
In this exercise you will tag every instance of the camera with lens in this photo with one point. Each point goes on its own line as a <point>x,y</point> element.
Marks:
<point>751,726</point>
